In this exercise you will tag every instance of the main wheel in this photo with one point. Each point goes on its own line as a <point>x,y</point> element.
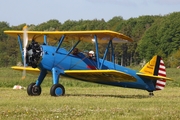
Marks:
<point>57,90</point>
<point>34,90</point>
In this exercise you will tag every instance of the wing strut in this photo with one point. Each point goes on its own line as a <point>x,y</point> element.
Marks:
<point>74,47</point>
<point>45,40</point>
<point>21,47</point>
<point>60,42</point>
<point>69,52</point>
<point>105,54</point>
<point>97,51</point>
<point>110,45</point>
<point>112,53</point>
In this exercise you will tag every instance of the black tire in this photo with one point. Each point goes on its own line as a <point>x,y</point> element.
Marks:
<point>57,90</point>
<point>33,90</point>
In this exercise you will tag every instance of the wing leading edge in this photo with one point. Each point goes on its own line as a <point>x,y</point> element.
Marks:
<point>100,75</point>
<point>28,69</point>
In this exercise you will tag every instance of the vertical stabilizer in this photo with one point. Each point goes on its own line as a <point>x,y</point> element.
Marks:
<point>156,67</point>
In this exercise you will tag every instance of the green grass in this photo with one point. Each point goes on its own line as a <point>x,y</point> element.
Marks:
<point>107,103</point>
<point>87,101</point>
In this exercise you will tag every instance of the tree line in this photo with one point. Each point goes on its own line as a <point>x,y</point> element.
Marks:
<point>152,35</point>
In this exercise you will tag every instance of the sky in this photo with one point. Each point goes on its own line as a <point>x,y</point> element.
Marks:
<point>16,12</point>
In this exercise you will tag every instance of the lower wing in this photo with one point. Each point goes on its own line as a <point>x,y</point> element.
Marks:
<point>88,75</point>
<point>100,75</point>
<point>28,69</point>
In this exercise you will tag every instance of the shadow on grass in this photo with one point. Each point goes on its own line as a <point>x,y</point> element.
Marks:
<point>117,96</point>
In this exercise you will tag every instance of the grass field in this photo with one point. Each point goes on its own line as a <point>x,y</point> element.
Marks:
<point>86,101</point>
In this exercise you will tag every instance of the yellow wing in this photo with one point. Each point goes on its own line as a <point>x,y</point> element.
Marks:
<point>100,75</point>
<point>102,35</point>
<point>88,75</point>
<point>28,69</point>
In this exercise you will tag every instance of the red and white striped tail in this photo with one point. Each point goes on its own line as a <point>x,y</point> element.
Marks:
<point>160,84</point>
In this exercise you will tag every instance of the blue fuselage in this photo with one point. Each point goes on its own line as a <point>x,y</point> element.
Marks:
<point>63,60</point>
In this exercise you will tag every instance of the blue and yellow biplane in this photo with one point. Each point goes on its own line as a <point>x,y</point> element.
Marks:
<point>46,55</point>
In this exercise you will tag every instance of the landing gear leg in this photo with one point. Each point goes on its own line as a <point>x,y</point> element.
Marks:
<point>151,94</point>
<point>57,89</point>
<point>34,89</point>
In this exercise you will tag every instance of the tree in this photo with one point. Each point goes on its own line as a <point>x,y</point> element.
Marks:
<point>50,25</point>
<point>3,26</point>
<point>151,34</point>
<point>162,36</point>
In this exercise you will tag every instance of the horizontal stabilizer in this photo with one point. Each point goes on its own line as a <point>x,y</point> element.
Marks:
<point>153,77</point>
<point>100,75</point>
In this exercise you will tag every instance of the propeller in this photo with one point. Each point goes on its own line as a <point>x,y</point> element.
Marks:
<point>25,42</point>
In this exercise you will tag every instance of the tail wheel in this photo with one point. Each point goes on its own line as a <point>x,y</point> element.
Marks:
<point>151,94</point>
<point>57,90</point>
<point>34,90</point>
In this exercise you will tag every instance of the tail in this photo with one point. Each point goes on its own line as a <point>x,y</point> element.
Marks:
<point>156,67</point>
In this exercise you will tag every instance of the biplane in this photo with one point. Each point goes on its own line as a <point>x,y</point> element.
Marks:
<point>45,54</point>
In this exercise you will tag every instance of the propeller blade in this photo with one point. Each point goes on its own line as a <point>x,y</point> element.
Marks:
<point>25,42</point>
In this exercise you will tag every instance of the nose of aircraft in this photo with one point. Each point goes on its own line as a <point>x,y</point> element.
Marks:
<point>34,51</point>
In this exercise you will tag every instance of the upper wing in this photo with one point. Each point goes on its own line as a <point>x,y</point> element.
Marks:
<point>102,35</point>
<point>100,75</point>
<point>153,77</point>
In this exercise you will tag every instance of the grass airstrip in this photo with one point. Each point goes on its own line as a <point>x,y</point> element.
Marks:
<point>87,101</point>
